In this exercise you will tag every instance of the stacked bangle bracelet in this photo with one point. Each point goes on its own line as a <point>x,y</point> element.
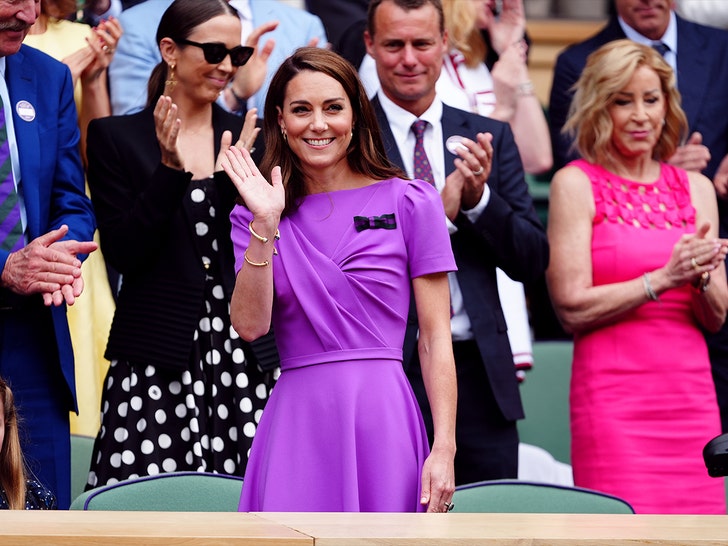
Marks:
<point>264,240</point>
<point>260,237</point>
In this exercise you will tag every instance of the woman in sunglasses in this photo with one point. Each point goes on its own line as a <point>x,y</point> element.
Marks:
<point>183,392</point>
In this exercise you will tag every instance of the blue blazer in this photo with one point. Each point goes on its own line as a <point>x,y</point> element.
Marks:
<point>702,79</point>
<point>137,52</point>
<point>508,234</point>
<point>52,177</point>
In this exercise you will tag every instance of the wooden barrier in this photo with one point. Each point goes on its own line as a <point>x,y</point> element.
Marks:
<point>81,528</point>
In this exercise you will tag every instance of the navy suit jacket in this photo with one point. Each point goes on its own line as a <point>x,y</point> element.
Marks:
<point>52,178</point>
<point>702,79</point>
<point>508,234</point>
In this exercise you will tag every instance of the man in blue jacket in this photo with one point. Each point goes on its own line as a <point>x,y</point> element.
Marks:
<point>40,269</point>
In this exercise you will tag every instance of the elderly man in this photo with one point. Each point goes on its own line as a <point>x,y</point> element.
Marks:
<point>44,213</point>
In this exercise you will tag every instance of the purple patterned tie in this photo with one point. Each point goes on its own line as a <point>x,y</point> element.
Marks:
<point>422,169</point>
<point>11,228</point>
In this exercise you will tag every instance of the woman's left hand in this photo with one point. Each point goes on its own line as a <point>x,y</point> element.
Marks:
<point>246,139</point>
<point>103,45</point>
<point>509,27</point>
<point>438,481</point>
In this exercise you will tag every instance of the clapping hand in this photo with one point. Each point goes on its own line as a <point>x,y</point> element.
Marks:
<point>247,137</point>
<point>48,266</point>
<point>694,254</point>
<point>167,125</point>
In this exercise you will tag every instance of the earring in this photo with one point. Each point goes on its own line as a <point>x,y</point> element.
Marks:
<point>285,135</point>
<point>171,82</point>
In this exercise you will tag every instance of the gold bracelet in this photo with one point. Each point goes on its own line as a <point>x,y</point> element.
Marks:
<point>260,237</point>
<point>265,263</point>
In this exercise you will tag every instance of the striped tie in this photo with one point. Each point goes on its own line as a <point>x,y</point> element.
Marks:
<point>11,228</point>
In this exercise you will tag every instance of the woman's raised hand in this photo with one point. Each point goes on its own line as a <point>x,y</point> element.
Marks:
<point>262,198</point>
<point>167,125</point>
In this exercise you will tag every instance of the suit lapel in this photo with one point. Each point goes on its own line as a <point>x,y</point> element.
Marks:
<point>693,74</point>
<point>21,87</point>
<point>390,146</point>
<point>453,124</point>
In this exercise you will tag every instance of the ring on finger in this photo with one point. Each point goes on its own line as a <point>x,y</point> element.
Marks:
<point>695,263</point>
<point>449,506</point>
<point>479,171</point>
<point>105,48</point>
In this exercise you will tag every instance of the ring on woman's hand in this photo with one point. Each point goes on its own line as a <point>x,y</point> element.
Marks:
<point>449,506</point>
<point>479,171</point>
<point>695,263</point>
<point>105,48</point>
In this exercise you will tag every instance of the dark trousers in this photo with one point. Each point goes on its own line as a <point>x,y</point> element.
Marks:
<point>29,362</point>
<point>487,444</point>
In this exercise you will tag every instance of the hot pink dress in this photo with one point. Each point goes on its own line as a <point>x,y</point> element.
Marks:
<point>643,403</point>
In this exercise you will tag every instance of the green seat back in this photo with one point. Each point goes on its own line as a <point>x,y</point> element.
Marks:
<point>173,492</point>
<point>513,496</point>
<point>545,395</point>
<point>81,449</point>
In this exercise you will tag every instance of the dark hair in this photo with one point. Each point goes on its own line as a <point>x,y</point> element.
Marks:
<point>179,20</point>
<point>406,5</point>
<point>366,153</point>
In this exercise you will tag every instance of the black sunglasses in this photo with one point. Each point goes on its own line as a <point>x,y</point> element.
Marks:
<point>215,52</point>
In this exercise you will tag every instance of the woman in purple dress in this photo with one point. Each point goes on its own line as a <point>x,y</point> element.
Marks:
<point>328,251</point>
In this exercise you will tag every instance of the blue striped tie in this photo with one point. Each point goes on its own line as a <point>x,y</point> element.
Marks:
<point>11,228</point>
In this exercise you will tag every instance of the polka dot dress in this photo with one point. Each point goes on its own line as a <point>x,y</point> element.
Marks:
<point>158,420</point>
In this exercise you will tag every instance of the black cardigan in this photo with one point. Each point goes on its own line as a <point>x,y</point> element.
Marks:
<point>147,236</point>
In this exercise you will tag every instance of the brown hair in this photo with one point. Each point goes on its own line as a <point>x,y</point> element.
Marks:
<point>179,20</point>
<point>58,9</point>
<point>12,465</point>
<point>609,70</point>
<point>406,5</point>
<point>365,154</point>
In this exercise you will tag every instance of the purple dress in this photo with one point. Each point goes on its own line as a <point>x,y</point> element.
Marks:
<point>342,431</point>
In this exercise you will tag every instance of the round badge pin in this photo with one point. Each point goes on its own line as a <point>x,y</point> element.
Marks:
<point>453,143</point>
<point>25,110</point>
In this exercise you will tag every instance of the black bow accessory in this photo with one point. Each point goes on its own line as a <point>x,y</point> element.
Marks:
<point>385,221</point>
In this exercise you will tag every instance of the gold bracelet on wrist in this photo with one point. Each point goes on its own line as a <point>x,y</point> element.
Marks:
<point>264,263</point>
<point>260,237</point>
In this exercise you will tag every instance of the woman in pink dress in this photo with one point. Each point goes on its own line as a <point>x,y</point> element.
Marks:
<point>636,271</point>
<point>328,250</point>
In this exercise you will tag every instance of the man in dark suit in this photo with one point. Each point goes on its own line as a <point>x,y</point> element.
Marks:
<point>38,280</point>
<point>699,56</point>
<point>491,219</point>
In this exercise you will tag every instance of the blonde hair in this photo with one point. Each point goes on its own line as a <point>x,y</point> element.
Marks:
<point>12,464</point>
<point>609,70</point>
<point>463,32</point>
